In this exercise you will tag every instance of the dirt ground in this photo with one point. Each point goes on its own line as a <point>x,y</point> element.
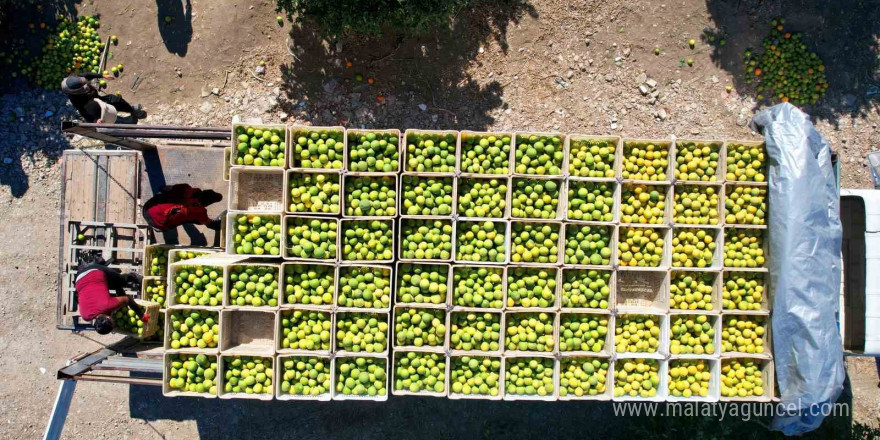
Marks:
<point>538,65</point>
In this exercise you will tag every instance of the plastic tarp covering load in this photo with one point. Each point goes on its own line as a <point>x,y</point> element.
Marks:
<point>805,267</point>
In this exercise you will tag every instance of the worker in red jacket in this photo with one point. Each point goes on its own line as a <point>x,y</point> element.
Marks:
<point>180,204</point>
<point>94,282</point>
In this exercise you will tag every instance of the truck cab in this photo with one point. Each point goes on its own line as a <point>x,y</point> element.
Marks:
<point>860,284</point>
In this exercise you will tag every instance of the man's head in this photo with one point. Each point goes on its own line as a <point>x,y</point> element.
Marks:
<point>91,257</point>
<point>103,324</point>
<point>76,85</point>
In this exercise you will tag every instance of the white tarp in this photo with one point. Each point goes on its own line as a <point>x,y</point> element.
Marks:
<point>805,239</point>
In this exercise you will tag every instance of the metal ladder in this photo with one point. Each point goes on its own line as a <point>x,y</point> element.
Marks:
<point>110,365</point>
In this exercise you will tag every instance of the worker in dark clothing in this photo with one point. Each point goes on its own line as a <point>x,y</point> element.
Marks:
<point>94,283</point>
<point>94,107</point>
<point>180,204</point>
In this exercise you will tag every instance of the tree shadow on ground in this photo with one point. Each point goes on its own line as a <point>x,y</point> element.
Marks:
<point>30,138</point>
<point>174,18</point>
<point>16,35</point>
<point>31,117</point>
<point>396,79</point>
<point>15,16</point>
<point>843,33</point>
<point>413,417</point>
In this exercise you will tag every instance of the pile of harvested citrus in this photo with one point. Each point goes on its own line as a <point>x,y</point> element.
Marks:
<point>787,71</point>
<point>72,46</point>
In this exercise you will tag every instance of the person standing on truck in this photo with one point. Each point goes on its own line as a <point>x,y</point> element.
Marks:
<point>180,204</point>
<point>94,283</point>
<point>94,107</point>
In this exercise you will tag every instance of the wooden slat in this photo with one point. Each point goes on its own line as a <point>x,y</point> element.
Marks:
<point>80,187</point>
<point>122,189</point>
<point>101,189</point>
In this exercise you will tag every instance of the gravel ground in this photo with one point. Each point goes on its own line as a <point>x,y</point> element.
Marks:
<point>542,65</point>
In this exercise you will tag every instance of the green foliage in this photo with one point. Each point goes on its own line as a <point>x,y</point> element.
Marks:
<point>371,16</point>
<point>863,431</point>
